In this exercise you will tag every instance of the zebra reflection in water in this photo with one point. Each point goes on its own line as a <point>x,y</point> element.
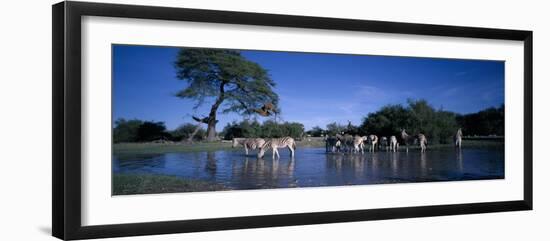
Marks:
<point>394,158</point>
<point>459,160</point>
<point>265,173</point>
<point>211,166</point>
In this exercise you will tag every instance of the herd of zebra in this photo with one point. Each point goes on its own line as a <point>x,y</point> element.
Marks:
<point>355,144</point>
<point>341,143</point>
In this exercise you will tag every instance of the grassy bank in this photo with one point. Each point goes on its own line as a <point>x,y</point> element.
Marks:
<point>122,149</point>
<point>465,144</point>
<point>124,184</point>
<point>159,148</point>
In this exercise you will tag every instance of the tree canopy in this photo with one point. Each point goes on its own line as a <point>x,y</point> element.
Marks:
<point>242,86</point>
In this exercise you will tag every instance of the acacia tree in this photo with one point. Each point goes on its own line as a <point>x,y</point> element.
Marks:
<point>242,86</point>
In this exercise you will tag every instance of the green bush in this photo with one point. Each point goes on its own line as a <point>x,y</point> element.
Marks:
<point>184,131</point>
<point>268,129</point>
<point>126,130</point>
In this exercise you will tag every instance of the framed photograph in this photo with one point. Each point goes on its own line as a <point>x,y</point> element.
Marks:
<point>171,120</point>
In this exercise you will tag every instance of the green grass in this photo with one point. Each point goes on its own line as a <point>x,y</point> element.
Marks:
<point>124,184</point>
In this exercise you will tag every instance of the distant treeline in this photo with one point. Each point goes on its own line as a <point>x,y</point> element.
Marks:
<point>417,116</point>
<point>487,122</point>
<point>146,131</point>
<point>268,129</point>
<point>420,117</point>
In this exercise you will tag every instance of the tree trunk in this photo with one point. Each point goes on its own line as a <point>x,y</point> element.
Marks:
<point>211,131</point>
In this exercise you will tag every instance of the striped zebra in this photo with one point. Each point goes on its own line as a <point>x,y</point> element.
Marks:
<point>373,141</point>
<point>276,143</point>
<point>458,138</point>
<point>248,143</point>
<point>394,145</point>
<point>347,141</point>
<point>423,142</point>
<point>384,143</point>
<point>405,139</point>
<point>358,143</point>
<point>333,144</point>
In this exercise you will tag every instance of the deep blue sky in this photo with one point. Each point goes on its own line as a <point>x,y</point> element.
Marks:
<point>314,89</point>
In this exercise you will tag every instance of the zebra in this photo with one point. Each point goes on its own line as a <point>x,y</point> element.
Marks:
<point>248,143</point>
<point>332,144</point>
<point>458,139</point>
<point>358,143</point>
<point>373,141</point>
<point>422,142</point>
<point>276,143</point>
<point>347,141</point>
<point>384,143</point>
<point>394,145</point>
<point>405,139</point>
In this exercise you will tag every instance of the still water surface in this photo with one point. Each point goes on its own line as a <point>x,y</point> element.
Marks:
<point>312,167</point>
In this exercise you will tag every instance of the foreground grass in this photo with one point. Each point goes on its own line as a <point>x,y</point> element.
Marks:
<point>124,184</point>
<point>122,149</point>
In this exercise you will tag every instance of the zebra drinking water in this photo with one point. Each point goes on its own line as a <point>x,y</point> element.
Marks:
<point>423,142</point>
<point>333,144</point>
<point>276,143</point>
<point>248,143</point>
<point>384,143</point>
<point>347,141</point>
<point>358,143</point>
<point>394,145</point>
<point>373,141</point>
<point>405,139</point>
<point>458,138</point>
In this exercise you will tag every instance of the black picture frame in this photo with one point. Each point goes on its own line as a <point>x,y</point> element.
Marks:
<point>66,47</point>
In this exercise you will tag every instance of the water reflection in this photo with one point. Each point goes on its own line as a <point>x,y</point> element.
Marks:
<point>274,169</point>
<point>312,167</point>
<point>459,160</point>
<point>358,166</point>
<point>211,165</point>
<point>138,162</point>
<point>394,163</point>
<point>423,165</point>
<point>263,173</point>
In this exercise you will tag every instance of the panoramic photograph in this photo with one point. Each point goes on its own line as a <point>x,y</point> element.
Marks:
<point>203,119</point>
